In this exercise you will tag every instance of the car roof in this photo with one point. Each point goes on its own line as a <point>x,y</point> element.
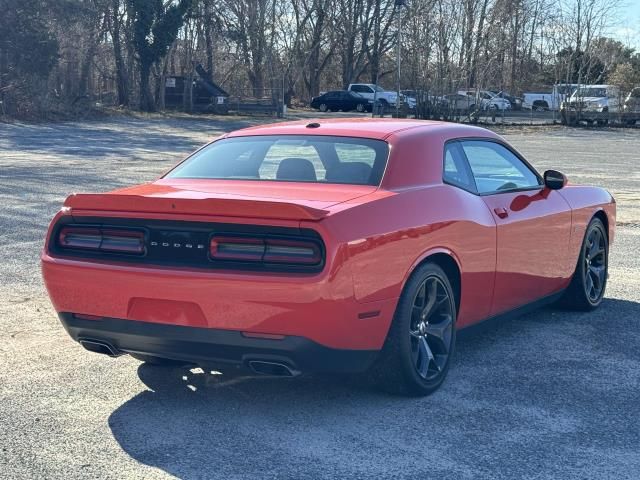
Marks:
<point>363,127</point>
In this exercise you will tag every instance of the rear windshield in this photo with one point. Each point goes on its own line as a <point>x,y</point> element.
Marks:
<point>289,158</point>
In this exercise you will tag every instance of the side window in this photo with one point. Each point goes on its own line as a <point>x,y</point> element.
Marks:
<point>496,168</point>
<point>357,88</point>
<point>456,172</point>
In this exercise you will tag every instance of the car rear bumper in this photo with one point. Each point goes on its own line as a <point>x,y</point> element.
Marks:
<point>319,307</point>
<point>214,347</point>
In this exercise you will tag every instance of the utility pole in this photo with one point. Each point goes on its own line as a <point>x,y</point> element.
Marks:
<point>399,4</point>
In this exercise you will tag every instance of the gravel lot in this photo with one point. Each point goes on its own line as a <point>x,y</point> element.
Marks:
<point>550,395</point>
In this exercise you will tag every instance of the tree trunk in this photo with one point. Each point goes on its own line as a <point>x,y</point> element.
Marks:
<point>208,38</point>
<point>122,80</point>
<point>146,97</point>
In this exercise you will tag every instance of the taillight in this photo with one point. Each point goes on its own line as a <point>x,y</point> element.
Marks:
<point>125,241</point>
<point>265,250</point>
<point>89,238</point>
<point>237,248</point>
<point>102,240</point>
<point>292,251</point>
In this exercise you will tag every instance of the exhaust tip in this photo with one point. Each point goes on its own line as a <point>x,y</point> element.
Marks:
<point>98,346</point>
<point>274,369</point>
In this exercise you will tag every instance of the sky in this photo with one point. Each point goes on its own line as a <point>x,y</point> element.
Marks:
<point>628,28</point>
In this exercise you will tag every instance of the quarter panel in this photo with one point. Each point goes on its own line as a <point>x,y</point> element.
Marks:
<point>585,202</point>
<point>388,237</point>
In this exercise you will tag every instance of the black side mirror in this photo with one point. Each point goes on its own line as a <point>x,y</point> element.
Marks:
<point>554,180</point>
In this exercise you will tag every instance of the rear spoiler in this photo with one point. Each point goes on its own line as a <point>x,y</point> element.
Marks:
<point>226,207</point>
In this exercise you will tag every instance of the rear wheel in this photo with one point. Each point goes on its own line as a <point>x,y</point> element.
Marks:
<point>151,360</point>
<point>360,107</point>
<point>540,106</point>
<point>416,355</point>
<point>587,287</point>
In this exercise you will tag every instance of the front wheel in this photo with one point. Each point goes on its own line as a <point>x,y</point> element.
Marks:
<point>416,355</point>
<point>586,290</point>
<point>323,107</point>
<point>360,107</point>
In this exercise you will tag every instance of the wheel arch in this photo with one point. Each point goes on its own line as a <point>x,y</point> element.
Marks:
<point>449,262</point>
<point>602,216</point>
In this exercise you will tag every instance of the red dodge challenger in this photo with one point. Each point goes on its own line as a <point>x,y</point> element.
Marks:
<point>346,245</point>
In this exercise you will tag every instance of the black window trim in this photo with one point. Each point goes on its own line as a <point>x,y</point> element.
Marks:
<point>459,141</point>
<point>458,149</point>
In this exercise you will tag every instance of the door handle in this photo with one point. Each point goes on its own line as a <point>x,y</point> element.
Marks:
<point>501,212</point>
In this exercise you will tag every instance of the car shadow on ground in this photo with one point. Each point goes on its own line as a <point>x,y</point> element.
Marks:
<point>545,386</point>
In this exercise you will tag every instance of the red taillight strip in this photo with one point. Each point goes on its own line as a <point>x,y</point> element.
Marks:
<point>102,240</point>
<point>265,250</point>
<point>236,248</point>
<point>292,251</point>
<point>84,238</point>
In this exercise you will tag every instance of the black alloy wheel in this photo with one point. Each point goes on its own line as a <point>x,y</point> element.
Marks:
<point>595,268</point>
<point>587,287</point>
<point>417,352</point>
<point>431,328</point>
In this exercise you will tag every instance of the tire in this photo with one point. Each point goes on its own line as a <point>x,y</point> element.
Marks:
<point>361,107</point>
<point>540,106</point>
<point>158,361</point>
<point>323,107</point>
<point>400,368</point>
<point>589,282</point>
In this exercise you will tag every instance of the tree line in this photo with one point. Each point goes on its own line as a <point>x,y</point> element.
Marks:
<point>55,52</point>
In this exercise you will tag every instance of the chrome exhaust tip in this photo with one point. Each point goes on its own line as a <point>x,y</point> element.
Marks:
<point>274,369</point>
<point>99,346</point>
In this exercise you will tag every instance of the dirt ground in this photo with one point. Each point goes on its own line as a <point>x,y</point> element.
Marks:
<point>553,394</point>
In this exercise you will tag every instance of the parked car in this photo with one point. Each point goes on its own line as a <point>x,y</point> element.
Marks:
<point>341,100</point>
<point>332,245</point>
<point>410,97</point>
<point>487,99</point>
<point>549,101</point>
<point>516,102</point>
<point>595,98</point>
<point>374,93</point>
<point>591,103</point>
<point>459,104</point>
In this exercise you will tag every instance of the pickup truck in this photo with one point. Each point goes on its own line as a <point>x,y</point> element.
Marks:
<point>541,102</point>
<point>384,97</point>
<point>598,104</point>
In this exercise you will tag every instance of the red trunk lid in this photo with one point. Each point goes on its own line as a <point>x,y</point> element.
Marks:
<point>257,199</point>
